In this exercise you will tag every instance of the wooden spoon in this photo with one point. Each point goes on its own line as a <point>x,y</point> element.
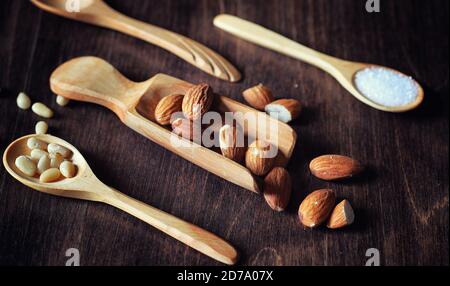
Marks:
<point>86,186</point>
<point>94,80</point>
<point>98,13</point>
<point>343,71</point>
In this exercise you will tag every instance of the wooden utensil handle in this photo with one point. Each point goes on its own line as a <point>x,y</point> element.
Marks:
<point>264,37</point>
<point>191,235</point>
<point>187,49</point>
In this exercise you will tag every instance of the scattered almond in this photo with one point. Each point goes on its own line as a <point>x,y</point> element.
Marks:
<point>284,110</point>
<point>259,157</point>
<point>341,216</point>
<point>258,96</point>
<point>231,141</point>
<point>277,188</point>
<point>316,207</point>
<point>197,101</point>
<point>334,167</point>
<point>167,106</point>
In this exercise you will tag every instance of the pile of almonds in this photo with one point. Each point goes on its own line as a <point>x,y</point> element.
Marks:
<point>196,102</point>
<point>317,207</point>
<point>51,162</point>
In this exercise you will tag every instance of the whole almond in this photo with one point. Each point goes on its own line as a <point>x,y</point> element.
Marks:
<point>316,207</point>
<point>231,141</point>
<point>167,106</point>
<point>341,216</point>
<point>197,101</point>
<point>277,188</point>
<point>258,96</point>
<point>334,167</point>
<point>186,129</point>
<point>259,157</point>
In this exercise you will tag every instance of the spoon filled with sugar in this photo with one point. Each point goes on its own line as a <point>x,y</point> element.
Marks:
<point>86,186</point>
<point>377,86</point>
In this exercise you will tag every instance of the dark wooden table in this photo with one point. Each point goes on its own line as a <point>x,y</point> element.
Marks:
<point>401,202</point>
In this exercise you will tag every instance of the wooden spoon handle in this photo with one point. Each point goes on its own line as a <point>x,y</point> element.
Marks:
<point>264,37</point>
<point>191,235</point>
<point>187,49</point>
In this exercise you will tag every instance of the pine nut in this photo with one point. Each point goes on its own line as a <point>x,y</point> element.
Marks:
<point>23,101</point>
<point>34,143</point>
<point>54,148</point>
<point>61,100</point>
<point>50,175</point>
<point>67,169</point>
<point>25,165</point>
<point>41,127</point>
<point>43,164</point>
<point>30,158</point>
<point>42,110</point>
<point>36,154</point>
<point>56,160</point>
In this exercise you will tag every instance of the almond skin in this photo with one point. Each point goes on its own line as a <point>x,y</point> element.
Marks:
<point>258,96</point>
<point>258,158</point>
<point>197,101</point>
<point>341,216</point>
<point>316,207</point>
<point>277,188</point>
<point>285,110</point>
<point>334,167</point>
<point>167,106</point>
<point>231,146</point>
<point>185,128</point>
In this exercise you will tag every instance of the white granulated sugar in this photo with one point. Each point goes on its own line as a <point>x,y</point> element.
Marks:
<point>386,87</point>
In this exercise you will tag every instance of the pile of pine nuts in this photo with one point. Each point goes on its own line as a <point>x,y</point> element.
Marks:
<point>51,162</point>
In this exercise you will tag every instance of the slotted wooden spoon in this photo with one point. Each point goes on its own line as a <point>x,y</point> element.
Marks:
<point>86,186</point>
<point>98,13</point>
<point>94,80</point>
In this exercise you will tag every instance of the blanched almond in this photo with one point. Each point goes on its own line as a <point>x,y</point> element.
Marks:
<point>284,110</point>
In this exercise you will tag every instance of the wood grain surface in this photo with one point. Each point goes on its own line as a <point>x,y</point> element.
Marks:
<point>401,202</point>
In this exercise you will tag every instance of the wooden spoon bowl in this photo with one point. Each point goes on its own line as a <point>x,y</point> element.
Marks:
<point>19,147</point>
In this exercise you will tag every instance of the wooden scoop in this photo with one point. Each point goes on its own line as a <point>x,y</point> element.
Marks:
<point>86,186</point>
<point>94,80</point>
<point>98,13</point>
